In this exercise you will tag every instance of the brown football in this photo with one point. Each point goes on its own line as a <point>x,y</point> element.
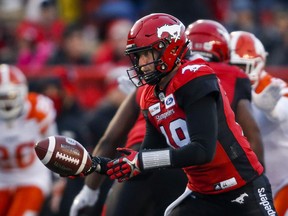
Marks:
<point>63,155</point>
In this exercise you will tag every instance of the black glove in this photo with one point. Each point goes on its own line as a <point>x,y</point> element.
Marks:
<point>99,165</point>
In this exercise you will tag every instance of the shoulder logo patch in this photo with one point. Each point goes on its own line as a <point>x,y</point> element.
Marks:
<point>191,68</point>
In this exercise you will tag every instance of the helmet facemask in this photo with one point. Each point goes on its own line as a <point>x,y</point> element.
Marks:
<point>252,67</point>
<point>247,52</point>
<point>136,74</point>
<point>13,91</point>
<point>12,101</point>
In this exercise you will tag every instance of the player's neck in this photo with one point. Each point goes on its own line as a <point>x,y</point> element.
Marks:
<point>165,80</point>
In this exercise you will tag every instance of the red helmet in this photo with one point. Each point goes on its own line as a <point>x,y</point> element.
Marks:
<point>13,91</point>
<point>248,52</point>
<point>163,33</point>
<point>210,39</point>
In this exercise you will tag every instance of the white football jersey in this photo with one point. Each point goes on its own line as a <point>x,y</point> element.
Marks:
<point>274,130</point>
<point>19,164</point>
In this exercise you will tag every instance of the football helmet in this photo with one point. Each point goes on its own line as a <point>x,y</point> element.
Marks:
<point>13,91</point>
<point>158,32</point>
<point>247,52</point>
<point>210,39</point>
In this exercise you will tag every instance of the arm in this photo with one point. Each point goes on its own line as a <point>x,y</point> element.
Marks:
<point>202,126</point>
<point>243,115</point>
<point>250,128</point>
<point>267,100</point>
<point>202,123</point>
<point>118,128</point>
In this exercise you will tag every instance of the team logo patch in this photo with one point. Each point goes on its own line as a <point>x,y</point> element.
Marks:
<point>154,109</point>
<point>240,199</point>
<point>169,101</point>
<point>172,30</point>
<point>191,68</point>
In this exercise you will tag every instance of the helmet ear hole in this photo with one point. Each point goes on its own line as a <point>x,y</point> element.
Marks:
<point>163,67</point>
<point>161,45</point>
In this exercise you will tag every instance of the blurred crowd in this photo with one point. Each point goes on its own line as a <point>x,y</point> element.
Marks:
<point>43,32</point>
<point>36,35</point>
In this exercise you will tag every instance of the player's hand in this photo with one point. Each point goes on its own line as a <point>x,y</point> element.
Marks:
<point>86,198</point>
<point>268,98</point>
<point>99,165</point>
<point>124,167</point>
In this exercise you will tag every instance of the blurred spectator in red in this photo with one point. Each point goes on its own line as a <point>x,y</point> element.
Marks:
<point>72,50</point>
<point>111,50</point>
<point>38,39</point>
<point>110,56</point>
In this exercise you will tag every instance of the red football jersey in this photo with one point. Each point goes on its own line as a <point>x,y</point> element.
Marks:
<point>234,162</point>
<point>234,81</point>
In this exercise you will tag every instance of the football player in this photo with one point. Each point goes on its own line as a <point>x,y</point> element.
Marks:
<point>189,125</point>
<point>210,39</point>
<point>129,122</point>
<point>270,102</point>
<point>24,119</point>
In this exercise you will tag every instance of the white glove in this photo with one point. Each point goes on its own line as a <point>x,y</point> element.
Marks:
<point>125,84</point>
<point>86,198</point>
<point>268,98</point>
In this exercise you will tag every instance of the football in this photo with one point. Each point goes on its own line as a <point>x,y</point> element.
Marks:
<point>63,155</point>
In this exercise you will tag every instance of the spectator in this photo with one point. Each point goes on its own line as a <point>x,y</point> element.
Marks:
<point>38,40</point>
<point>112,49</point>
<point>72,49</point>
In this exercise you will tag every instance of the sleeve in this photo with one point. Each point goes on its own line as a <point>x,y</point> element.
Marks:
<point>202,124</point>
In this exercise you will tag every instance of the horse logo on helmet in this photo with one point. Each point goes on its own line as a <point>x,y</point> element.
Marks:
<point>172,30</point>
